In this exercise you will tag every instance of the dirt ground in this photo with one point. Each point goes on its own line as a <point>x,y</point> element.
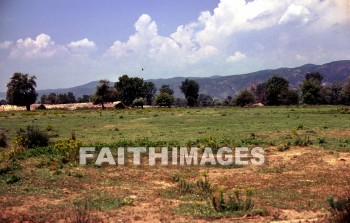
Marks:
<point>293,187</point>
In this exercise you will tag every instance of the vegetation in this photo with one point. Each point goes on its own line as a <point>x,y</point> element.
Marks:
<point>130,88</point>
<point>166,89</point>
<point>311,88</point>
<point>21,90</point>
<point>340,208</point>
<point>52,98</point>
<point>244,98</point>
<point>31,137</point>
<point>190,89</point>
<point>3,139</point>
<point>164,100</point>
<point>104,93</point>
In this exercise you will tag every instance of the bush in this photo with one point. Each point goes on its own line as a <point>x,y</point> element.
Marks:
<point>3,139</point>
<point>70,148</point>
<point>32,137</point>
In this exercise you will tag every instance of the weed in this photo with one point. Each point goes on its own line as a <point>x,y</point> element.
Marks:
<point>204,185</point>
<point>49,128</point>
<point>82,215</point>
<point>185,187</point>
<point>299,141</point>
<point>285,147</point>
<point>175,177</point>
<point>321,140</point>
<point>79,175</point>
<point>3,139</point>
<point>232,202</point>
<point>12,179</point>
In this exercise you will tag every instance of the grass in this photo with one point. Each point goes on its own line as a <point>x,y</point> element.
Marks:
<point>186,126</point>
<point>307,149</point>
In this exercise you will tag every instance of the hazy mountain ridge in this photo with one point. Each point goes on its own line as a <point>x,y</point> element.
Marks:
<point>222,86</point>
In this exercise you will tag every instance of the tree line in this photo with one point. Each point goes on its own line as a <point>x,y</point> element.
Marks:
<point>134,91</point>
<point>312,91</point>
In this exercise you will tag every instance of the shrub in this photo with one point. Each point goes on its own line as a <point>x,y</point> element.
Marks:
<point>3,139</point>
<point>32,137</point>
<point>232,202</point>
<point>340,208</point>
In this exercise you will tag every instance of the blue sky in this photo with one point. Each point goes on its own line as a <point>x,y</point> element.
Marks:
<point>71,42</point>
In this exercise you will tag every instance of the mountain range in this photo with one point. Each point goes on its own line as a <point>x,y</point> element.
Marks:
<point>223,86</point>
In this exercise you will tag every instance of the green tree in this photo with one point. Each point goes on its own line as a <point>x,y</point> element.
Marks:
<point>190,89</point>
<point>104,93</point>
<point>345,92</point>
<point>149,90</point>
<point>84,99</point>
<point>311,88</point>
<point>52,98</point>
<point>130,88</point>
<point>164,99</point>
<point>62,99</point>
<point>290,97</point>
<point>71,98</point>
<point>165,88</point>
<point>21,90</point>
<point>43,99</point>
<point>275,87</point>
<point>260,92</point>
<point>245,97</point>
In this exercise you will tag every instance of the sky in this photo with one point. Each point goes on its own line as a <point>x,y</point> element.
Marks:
<point>72,42</point>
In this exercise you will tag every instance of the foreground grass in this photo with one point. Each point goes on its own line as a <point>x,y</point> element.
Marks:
<point>307,152</point>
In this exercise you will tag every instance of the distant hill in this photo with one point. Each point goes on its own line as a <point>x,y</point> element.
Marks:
<point>223,86</point>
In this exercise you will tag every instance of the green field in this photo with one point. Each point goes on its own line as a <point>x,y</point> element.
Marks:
<point>307,150</point>
<point>183,126</point>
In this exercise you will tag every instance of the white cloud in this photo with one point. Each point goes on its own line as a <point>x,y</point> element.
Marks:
<point>237,56</point>
<point>144,42</point>
<point>40,47</point>
<point>5,44</point>
<point>84,43</point>
<point>296,14</point>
